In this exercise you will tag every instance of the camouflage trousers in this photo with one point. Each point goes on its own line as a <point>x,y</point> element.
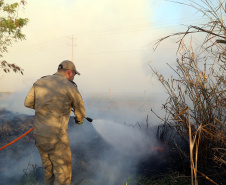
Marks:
<point>56,159</point>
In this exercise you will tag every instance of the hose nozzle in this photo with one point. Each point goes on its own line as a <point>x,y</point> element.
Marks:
<point>89,119</point>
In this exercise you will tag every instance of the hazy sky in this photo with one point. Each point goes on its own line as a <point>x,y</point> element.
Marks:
<point>113,42</point>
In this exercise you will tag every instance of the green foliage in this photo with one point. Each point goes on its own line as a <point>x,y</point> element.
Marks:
<point>127,183</point>
<point>10,24</point>
<point>10,29</point>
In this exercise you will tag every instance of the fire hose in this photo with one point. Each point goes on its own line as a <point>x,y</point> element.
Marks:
<point>17,139</point>
<point>88,119</point>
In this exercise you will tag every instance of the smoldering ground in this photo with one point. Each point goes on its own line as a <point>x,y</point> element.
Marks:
<point>15,159</point>
<point>107,151</point>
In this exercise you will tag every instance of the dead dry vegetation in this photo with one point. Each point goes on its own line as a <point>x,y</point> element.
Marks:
<point>12,125</point>
<point>195,108</point>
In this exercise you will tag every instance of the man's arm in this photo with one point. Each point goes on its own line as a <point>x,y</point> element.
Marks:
<point>30,99</point>
<point>78,105</point>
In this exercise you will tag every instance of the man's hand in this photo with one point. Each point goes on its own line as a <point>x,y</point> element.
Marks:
<point>78,122</point>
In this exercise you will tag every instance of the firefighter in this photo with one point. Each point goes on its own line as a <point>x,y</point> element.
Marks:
<point>52,97</point>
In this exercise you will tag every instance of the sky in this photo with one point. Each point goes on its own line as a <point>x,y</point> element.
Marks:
<point>112,43</point>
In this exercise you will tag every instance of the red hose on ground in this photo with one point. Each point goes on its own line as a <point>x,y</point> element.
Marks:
<point>17,139</point>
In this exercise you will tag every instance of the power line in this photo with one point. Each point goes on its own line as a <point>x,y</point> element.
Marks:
<point>125,29</point>
<point>41,44</point>
<point>134,27</point>
<point>109,52</point>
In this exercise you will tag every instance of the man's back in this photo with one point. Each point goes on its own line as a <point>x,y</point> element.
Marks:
<point>53,97</point>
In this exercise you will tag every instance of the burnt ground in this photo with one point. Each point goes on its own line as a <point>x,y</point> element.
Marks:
<point>94,161</point>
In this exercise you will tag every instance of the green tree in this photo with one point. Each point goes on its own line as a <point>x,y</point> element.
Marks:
<point>10,30</point>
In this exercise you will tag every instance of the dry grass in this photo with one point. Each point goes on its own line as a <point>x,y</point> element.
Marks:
<point>196,105</point>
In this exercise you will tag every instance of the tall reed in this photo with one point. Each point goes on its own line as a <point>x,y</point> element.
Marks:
<point>196,105</point>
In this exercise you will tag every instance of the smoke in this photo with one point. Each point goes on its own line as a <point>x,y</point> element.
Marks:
<point>15,103</point>
<point>127,140</point>
<point>18,160</point>
<point>109,151</point>
<point>128,145</point>
<point>106,151</point>
<point>115,142</point>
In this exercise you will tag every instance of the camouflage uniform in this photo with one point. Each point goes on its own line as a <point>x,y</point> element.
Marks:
<point>52,97</point>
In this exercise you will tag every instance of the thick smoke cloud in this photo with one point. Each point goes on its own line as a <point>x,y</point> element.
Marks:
<point>107,151</point>
<point>125,139</point>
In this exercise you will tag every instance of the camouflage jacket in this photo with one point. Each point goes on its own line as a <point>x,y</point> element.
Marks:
<point>52,97</point>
